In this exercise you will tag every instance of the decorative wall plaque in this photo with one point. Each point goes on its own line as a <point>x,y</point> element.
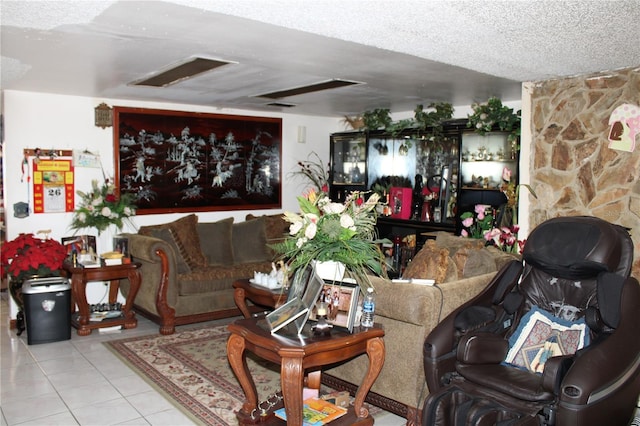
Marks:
<point>104,115</point>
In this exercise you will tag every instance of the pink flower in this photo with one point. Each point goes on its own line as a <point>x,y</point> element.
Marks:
<point>479,209</point>
<point>492,234</point>
<point>467,222</point>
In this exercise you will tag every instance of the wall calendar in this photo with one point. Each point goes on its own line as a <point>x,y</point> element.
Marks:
<point>53,184</point>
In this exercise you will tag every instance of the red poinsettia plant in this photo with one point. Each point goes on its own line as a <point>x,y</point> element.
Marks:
<point>28,256</point>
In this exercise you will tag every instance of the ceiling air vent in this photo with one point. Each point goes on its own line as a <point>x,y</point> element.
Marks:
<point>281,104</point>
<point>182,71</point>
<point>316,87</point>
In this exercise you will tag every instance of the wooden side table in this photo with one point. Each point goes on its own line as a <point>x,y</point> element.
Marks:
<point>243,291</point>
<point>297,354</point>
<point>80,276</point>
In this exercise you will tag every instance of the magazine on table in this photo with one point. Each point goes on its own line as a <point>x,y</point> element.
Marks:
<point>316,412</point>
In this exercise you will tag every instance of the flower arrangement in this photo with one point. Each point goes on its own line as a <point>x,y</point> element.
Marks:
<point>477,223</point>
<point>512,192</point>
<point>486,116</point>
<point>330,231</point>
<point>102,208</point>
<point>28,256</point>
<point>313,169</point>
<point>505,238</point>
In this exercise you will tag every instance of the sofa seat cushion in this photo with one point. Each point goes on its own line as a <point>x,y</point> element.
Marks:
<point>211,279</point>
<point>185,233</point>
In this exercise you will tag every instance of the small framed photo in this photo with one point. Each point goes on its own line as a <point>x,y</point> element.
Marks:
<point>121,245</point>
<point>341,299</point>
<point>285,314</point>
<point>85,246</point>
<point>311,293</point>
<point>299,283</point>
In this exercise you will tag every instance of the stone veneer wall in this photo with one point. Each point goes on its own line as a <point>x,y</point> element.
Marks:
<point>572,169</point>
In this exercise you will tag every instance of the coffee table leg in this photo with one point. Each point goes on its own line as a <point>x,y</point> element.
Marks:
<point>240,298</point>
<point>375,352</point>
<point>235,354</point>
<point>291,378</point>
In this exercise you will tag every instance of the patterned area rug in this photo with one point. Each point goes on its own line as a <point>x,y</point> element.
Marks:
<point>191,368</point>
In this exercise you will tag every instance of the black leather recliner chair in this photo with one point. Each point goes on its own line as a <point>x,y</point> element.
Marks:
<point>575,268</point>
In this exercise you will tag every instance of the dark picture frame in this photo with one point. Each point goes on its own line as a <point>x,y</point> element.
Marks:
<point>175,161</point>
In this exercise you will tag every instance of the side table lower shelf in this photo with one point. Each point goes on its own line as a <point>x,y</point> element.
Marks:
<point>107,322</point>
<point>270,419</point>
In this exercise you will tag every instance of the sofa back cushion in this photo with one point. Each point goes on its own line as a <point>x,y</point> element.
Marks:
<point>276,227</point>
<point>215,241</point>
<point>432,262</point>
<point>249,241</point>
<point>472,262</point>
<point>186,238</point>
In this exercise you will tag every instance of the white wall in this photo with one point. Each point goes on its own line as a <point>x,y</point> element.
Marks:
<point>37,120</point>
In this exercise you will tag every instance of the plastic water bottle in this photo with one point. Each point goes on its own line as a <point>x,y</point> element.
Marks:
<point>368,308</point>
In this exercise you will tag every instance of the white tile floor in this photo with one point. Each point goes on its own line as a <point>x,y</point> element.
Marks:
<point>80,382</point>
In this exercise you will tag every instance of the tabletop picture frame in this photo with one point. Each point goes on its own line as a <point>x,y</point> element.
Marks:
<point>285,314</point>
<point>343,314</point>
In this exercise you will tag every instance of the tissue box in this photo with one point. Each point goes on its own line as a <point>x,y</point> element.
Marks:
<point>400,202</point>
<point>340,399</point>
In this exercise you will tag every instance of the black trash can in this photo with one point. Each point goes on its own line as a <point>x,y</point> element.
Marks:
<point>47,309</point>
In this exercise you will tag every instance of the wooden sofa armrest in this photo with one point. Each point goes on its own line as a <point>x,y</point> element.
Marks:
<point>158,290</point>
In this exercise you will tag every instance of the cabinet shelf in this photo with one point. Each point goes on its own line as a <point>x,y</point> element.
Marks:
<point>487,161</point>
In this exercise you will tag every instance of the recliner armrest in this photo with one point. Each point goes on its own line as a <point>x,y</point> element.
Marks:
<point>482,348</point>
<point>554,370</point>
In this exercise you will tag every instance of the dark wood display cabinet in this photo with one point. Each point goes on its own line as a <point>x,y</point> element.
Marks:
<point>462,167</point>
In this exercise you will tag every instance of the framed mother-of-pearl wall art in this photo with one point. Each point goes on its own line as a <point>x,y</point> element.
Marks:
<point>174,161</point>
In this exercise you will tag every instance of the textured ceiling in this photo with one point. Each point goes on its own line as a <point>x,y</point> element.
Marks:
<point>406,52</point>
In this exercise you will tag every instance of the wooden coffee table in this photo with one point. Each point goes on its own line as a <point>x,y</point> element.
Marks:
<point>297,355</point>
<point>258,295</point>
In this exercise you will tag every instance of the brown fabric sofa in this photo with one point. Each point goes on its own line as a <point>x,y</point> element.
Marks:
<point>188,268</point>
<point>408,313</point>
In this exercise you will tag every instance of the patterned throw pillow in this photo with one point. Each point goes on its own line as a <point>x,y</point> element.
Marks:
<point>165,235</point>
<point>186,238</point>
<point>541,335</point>
<point>432,262</point>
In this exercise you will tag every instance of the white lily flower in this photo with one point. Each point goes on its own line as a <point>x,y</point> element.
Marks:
<point>295,227</point>
<point>346,221</point>
<point>333,208</point>
<point>311,230</point>
<point>106,212</point>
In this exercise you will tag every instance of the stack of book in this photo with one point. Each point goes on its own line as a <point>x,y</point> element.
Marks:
<point>111,258</point>
<point>316,412</point>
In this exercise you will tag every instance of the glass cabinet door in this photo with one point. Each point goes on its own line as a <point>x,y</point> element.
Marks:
<point>348,164</point>
<point>484,157</point>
